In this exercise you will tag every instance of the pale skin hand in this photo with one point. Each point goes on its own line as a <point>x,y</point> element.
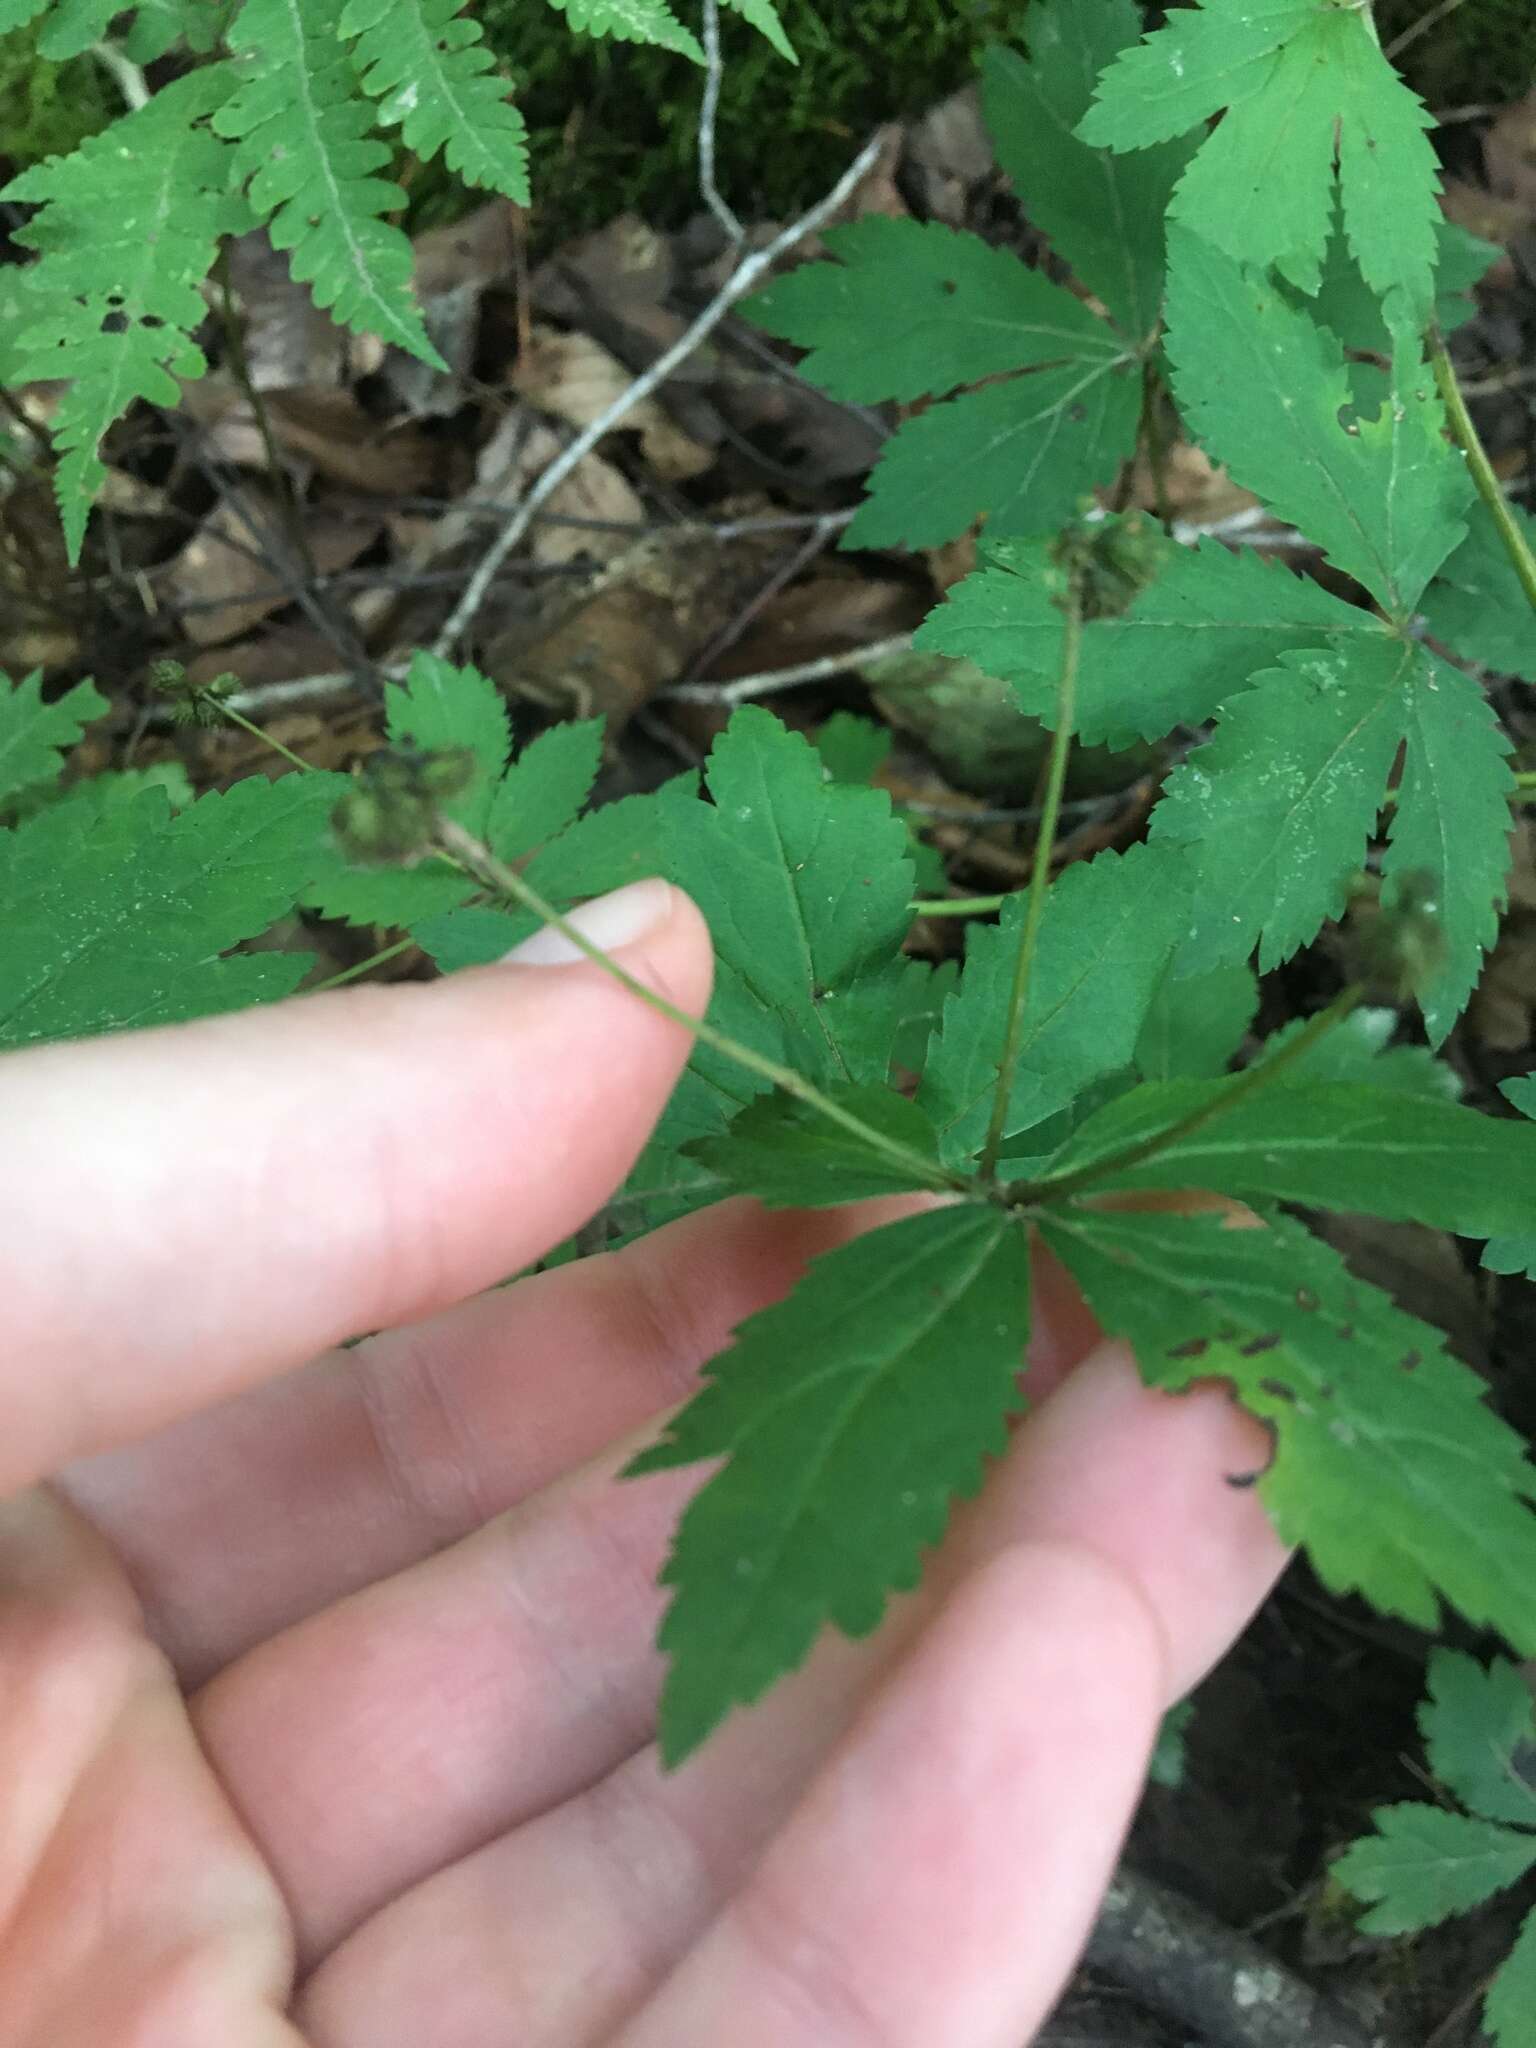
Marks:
<point>327,1689</point>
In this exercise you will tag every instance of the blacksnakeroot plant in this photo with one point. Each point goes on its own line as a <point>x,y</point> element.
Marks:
<point>1295,324</point>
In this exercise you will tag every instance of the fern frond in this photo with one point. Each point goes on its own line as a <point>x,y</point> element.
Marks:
<point>304,141</point>
<point>632,21</point>
<point>128,229</point>
<point>427,65</point>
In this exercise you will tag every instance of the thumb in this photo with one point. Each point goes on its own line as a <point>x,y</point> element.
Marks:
<point>190,1209</point>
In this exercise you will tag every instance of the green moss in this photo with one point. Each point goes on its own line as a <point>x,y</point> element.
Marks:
<point>47,109</point>
<point>614,126</point>
<point>1483,52</point>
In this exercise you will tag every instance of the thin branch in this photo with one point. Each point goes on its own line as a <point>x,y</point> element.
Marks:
<point>1421,27</point>
<point>1212,1981</point>
<point>124,74</point>
<point>714,71</point>
<point>741,688</point>
<point>1489,489</point>
<point>736,286</point>
<point>809,547</point>
<point>1040,872</point>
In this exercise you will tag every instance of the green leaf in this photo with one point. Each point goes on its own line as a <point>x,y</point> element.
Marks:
<point>1333,1145</point>
<point>1345,304</point>
<point>1302,84</point>
<point>545,788</point>
<point>1516,1254</point>
<point>304,141</point>
<point>1479,1726</point>
<point>1107,932</point>
<point>73,26</point>
<point>1387,1465</point>
<point>129,226</point>
<point>622,842</point>
<point>34,736</point>
<point>849,1434</point>
<point>427,65</point>
<point>1275,810</point>
<point>1451,823</point>
<point>1209,618</point>
<point>763,16</point>
<point>1023,454</point>
<point>160,25</point>
<point>927,991</point>
<point>953,310</point>
<point>853,748</point>
<point>1476,603</point>
<point>1511,1997</point>
<point>124,925</point>
<point>1267,390</point>
<point>1194,1026</point>
<point>633,21</point>
<point>1103,217</point>
<point>805,885</point>
<point>1424,1864</point>
<point>438,707</point>
<point>791,1156</point>
<point>1360,1049</point>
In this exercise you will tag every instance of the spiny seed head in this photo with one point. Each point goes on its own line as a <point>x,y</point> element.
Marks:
<point>390,816</point>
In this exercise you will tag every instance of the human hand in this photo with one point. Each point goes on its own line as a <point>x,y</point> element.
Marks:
<point>327,1690</point>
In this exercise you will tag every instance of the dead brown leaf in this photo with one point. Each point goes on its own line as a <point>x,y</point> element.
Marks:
<point>224,584</point>
<point>577,379</point>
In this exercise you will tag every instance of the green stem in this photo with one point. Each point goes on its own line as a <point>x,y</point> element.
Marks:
<point>239,718</point>
<point>353,973</point>
<point>1525,782</point>
<point>1040,871</point>
<point>958,906</point>
<point>1053,1186</point>
<point>477,859</point>
<point>1489,489</point>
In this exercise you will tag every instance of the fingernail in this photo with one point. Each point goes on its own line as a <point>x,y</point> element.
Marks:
<point>608,921</point>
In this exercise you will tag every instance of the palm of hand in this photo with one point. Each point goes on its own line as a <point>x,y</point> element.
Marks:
<point>327,1709</point>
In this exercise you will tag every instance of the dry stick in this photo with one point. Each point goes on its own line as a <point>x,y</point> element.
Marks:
<point>714,71</point>
<point>736,286</point>
<point>1489,489</point>
<point>477,860</point>
<point>1181,1962</point>
<point>1040,871</point>
<point>742,688</point>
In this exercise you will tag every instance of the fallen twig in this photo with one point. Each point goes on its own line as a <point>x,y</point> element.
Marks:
<point>736,286</point>
<point>1183,1963</point>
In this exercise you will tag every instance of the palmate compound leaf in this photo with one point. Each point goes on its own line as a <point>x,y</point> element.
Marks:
<point>849,1433</point>
<point>1305,84</point>
<point>303,134</point>
<point>1207,620</point>
<point>34,736</point>
<point>1267,391</point>
<point>1476,604</point>
<point>1276,809</point>
<point>1479,1727</point>
<point>1387,1465</point>
<point>1331,1144</point>
<point>1516,1254</point>
<point>1109,928</point>
<point>805,885</point>
<point>427,65</point>
<point>954,310</point>
<point>122,920</point>
<point>1423,1864</point>
<point>129,226</point>
<point>1103,215</point>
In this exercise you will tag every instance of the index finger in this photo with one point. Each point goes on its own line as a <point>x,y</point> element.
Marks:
<point>187,1210</point>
